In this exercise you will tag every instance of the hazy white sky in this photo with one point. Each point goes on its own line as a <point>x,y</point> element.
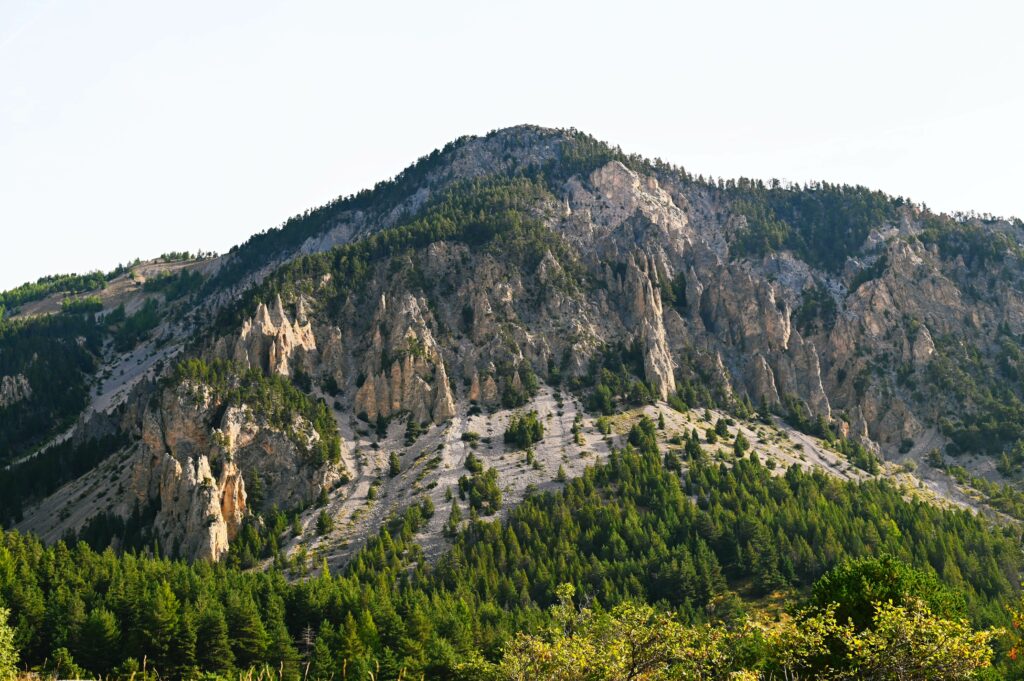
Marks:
<point>131,128</point>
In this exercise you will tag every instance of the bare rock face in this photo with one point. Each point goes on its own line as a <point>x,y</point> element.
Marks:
<point>196,476</point>
<point>189,520</point>
<point>14,389</point>
<point>273,343</point>
<point>250,449</point>
<point>808,369</point>
<point>332,355</point>
<point>176,425</point>
<point>232,498</point>
<point>858,425</point>
<point>645,302</point>
<point>484,326</point>
<point>172,471</point>
<point>620,194</point>
<point>444,401</point>
<point>922,348</point>
<point>406,387</point>
<point>489,391</point>
<point>474,388</point>
<point>764,382</point>
<point>415,379</point>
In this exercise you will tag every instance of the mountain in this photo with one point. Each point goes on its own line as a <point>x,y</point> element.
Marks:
<point>505,317</point>
<point>530,269</point>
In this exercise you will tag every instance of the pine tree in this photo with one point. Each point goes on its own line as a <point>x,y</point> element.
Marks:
<point>281,652</point>
<point>368,635</point>
<point>99,641</point>
<point>741,445</point>
<point>213,648</point>
<point>161,625</point>
<point>65,613</point>
<point>183,645</point>
<point>63,666</point>
<point>248,636</point>
<point>324,523</point>
<point>322,662</point>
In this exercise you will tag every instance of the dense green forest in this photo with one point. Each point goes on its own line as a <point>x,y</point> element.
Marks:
<point>822,223</point>
<point>175,286</point>
<point>58,355</point>
<point>989,413</point>
<point>703,548</point>
<point>48,353</point>
<point>46,472</point>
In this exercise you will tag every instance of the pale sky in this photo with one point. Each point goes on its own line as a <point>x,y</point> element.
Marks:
<point>132,128</point>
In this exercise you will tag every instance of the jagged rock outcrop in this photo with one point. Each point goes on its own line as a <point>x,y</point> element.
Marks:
<point>233,499</point>
<point>406,387</point>
<point>444,402</point>
<point>489,391</point>
<point>332,355</point>
<point>474,388</point>
<point>14,389</point>
<point>189,521</point>
<point>404,371</point>
<point>194,476</point>
<point>483,391</point>
<point>922,348</point>
<point>483,324</point>
<point>646,312</point>
<point>273,343</point>
<point>765,389</point>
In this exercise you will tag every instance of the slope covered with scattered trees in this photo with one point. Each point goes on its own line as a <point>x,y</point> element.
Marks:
<point>683,558</point>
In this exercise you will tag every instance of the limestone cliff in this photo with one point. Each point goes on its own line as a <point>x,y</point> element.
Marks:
<point>403,367</point>
<point>192,468</point>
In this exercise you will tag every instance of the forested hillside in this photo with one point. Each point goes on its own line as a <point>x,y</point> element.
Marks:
<point>716,550</point>
<point>532,409</point>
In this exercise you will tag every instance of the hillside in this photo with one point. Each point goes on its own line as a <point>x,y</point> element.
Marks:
<point>497,322</point>
<point>511,268</point>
